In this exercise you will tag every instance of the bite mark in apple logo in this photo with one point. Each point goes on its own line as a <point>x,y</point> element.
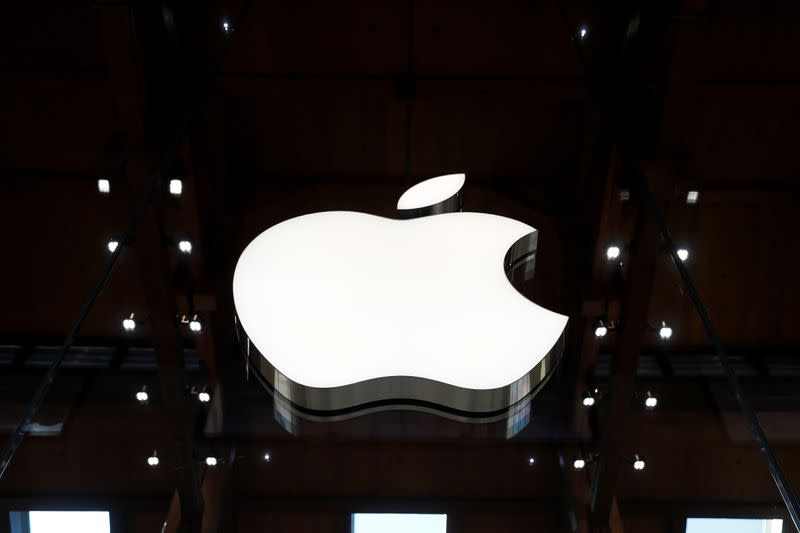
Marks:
<point>343,312</point>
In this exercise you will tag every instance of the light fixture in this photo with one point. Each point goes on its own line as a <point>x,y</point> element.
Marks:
<point>650,402</point>
<point>624,195</point>
<point>583,32</point>
<point>128,323</point>
<point>638,463</point>
<point>175,187</point>
<point>204,397</point>
<point>103,186</point>
<point>194,325</point>
<point>531,461</point>
<point>612,252</point>
<point>142,395</point>
<point>579,464</point>
<point>600,330</point>
<point>226,25</point>
<point>683,254</point>
<point>692,197</point>
<point>588,400</point>
<point>185,246</point>
<point>665,331</point>
<point>112,245</point>
<point>267,457</point>
<point>211,460</point>
<point>153,459</point>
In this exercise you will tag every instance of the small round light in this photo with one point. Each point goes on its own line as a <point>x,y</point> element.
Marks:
<point>531,461</point>
<point>650,402</point>
<point>588,401</point>
<point>103,186</point>
<point>612,252</point>
<point>112,245</point>
<point>692,197</point>
<point>683,254</point>
<point>226,25</point>
<point>583,32</point>
<point>267,457</point>
<point>142,396</point>
<point>204,397</point>
<point>600,331</point>
<point>175,187</point>
<point>665,332</point>
<point>211,460</point>
<point>185,246</point>
<point>153,460</point>
<point>128,324</point>
<point>638,464</point>
<point>579,464</point>
<point>195,326</point>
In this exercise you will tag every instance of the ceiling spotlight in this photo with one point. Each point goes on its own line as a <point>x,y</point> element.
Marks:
<point>650,401</point>
<point>601,330</point>
<point>103,186</point>
<point>211,460</point>
<point>128,323</point>
<point>531,461</point>
<point>112,245</point>
<point>194,325</point>
<point>153,459</point>
<point>185,246</point>
<point>612,252</point>
<point>204,397</point>
<point>175,187</point>
<point>664,331</point>
<point>583,32</point>
<point>226,25</point>
<point>579,464</point>
<point>142,395</point>
<point>267,457</point>
<point>692,197</point>
<point>588,400</point>
<point>639,463</point>
<point>683,254</point>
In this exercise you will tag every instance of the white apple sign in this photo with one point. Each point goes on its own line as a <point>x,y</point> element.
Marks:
<point>343,311</point>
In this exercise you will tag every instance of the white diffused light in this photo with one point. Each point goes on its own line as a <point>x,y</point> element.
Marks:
<point>692,197</point>
<point>195,326</point>
<point>579,464</point>
<point>267,457</point>
<point>638,464</point>
<point>531,461</point>
<point>583,32</point>
<point>226,26</point>
<point>112,245</point>
<point>683,254</point>
<point>142,396</point>
<point>665,332</point>
<point>153,460</point>
<point>103,186</point>
<point>431,191</point>
<point>175,187</point>
<point>600,331</point>
<point>185,246</point>
<point>128,323</point>
<point>612,252</point>
<point>651,401</point>
<point>588,401</point>
<point>211,460</point>
<point>204,397</point>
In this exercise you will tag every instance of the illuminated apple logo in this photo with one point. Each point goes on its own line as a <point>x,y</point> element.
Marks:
<point>342,312</point>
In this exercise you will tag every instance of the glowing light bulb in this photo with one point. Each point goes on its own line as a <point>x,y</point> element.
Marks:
<point>195,326</point>
<point>267,457</point>
<point>112,245</point>
<point>142,396</point>
<point>211,460</point>
<point>583,32</point>
<point>600,331</point>
<point>185,246</point>
<point>103,186</point>
<point>683,254</point>
<point>531,461</point>
<point>128,324</point>
<point>153,460</point>
<point>650,402</point>
<point>579,464</point>
<point>665,332</point>
<point>588,401</point>
<point>175,187</point>
<point>612,252</point>
<point>638,464</point>
<point>204,397</point>
<point>692,197</point>
<point>226,26</point>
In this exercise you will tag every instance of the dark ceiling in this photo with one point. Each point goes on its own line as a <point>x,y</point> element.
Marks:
<point>309,106</point>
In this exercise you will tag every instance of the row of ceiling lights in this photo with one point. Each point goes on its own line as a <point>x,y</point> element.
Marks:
<point>579,463</point>
<point>210,460</point>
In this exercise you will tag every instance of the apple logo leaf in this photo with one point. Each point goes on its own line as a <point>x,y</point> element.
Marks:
<point>343,312</point>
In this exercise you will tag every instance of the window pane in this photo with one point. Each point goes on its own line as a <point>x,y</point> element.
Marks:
<point>70,522</point>
<point>733,525</point>
<point>399,523</point>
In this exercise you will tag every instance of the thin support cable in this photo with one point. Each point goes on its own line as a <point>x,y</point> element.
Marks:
<point>44,385</point>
